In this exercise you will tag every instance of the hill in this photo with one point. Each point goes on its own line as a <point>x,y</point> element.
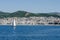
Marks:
<point>27,14</point>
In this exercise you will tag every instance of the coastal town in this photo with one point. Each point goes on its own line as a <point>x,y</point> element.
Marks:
<point>30,21</point>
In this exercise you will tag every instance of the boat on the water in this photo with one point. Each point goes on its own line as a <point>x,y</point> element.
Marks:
<point>14,24</point>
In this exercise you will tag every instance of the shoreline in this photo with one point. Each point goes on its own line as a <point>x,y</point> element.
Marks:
<point>28,25</point>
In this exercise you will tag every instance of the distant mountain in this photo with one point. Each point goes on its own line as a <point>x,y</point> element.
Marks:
<point>18,14</point>
<point>27,14</point>
<point>3,14</point>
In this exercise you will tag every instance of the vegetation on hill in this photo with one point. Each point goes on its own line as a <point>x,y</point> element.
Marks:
<point>27,14</point>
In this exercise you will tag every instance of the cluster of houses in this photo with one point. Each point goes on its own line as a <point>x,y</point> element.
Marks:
<point>31,21</point>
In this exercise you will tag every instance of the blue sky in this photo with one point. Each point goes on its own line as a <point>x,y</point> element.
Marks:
<point>36,6</point>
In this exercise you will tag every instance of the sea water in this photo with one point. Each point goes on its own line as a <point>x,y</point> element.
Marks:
<point>29,32</point>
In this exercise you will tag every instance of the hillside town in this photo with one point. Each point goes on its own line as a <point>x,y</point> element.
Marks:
<point>31,21</point>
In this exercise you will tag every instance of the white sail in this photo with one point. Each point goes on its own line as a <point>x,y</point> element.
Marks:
<point>14,24</point>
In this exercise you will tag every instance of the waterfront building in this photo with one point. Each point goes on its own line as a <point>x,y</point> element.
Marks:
<point>30,20</point>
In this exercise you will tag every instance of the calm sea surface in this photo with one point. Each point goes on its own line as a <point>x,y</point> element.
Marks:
<point>31,32</point>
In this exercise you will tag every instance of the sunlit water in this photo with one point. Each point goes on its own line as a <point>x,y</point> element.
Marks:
<point>31,32</point>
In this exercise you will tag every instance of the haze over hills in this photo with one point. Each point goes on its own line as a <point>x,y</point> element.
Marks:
<point>27,14</point>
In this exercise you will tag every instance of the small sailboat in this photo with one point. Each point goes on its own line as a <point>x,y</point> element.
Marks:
<point>14,24</point>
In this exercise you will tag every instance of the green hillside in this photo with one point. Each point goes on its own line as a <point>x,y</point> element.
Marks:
<point>27,14</point>
<point>4,14</point>
<point>18,14</point>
